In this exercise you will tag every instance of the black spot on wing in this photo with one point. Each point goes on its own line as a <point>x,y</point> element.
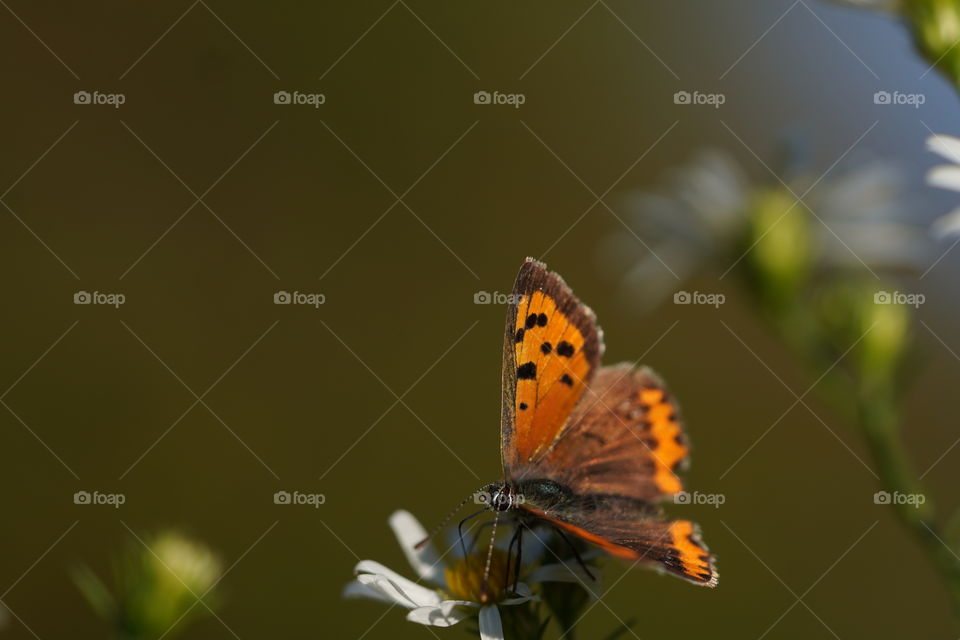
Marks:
<point>567,380</point>
<point>546,347</point>
<point>519,336</point>
<point>531,321</point>
<point>542,320</point>
<point>523,406</point>
<point>527,371</point>
<point>565,349</point>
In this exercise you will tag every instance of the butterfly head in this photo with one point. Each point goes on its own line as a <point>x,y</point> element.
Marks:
<point>501,497</point>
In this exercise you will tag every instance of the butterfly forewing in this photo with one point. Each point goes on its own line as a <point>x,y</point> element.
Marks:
<point>552,347</point>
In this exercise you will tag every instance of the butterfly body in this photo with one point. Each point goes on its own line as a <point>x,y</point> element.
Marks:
<point>587,449</point>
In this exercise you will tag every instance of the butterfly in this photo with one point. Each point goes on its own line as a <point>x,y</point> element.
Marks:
<point>589,450</point>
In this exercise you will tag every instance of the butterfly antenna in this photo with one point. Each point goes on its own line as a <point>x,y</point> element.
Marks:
<point>446,519</point>
<point>484,590</point>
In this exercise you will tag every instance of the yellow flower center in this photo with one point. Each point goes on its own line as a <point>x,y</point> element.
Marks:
<point>465,578</point>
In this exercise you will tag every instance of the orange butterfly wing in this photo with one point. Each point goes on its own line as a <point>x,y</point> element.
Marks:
<point>552,346</point>
<point>611,437</point>
<point>674,545</point>
<point>624,438</point>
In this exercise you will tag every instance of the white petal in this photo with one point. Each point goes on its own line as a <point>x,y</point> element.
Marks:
<point>409,531</point>
<point>523,595</point>
<point>944,176</point>
<point>859,193</point>
<point>946,226</point>
<point>357,589</point>
<point>400,589</point>
<point>446,614</point>
<point>945,146</point>
<point>490,626</point>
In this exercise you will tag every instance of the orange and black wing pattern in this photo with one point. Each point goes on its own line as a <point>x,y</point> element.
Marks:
<point>616,460</point>
<point>674,546</point>
<point>552,347</point>
<point>624,438</point>
<point>592,450</point>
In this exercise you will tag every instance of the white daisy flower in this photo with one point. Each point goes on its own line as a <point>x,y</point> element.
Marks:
<point>701,210</point>
<point>704,211</point>
<point>945,176</point>
<point>454,593</point>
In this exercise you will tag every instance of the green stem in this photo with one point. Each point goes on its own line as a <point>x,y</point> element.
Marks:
<point>876,412</point>
<point>879,420</point>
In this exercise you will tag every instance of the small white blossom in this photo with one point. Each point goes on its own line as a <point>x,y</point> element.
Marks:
<point>702,214</point>
<point>437,605</point>
<point>945,176</point>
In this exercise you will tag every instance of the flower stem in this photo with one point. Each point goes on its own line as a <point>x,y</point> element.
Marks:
<point>879,421</point>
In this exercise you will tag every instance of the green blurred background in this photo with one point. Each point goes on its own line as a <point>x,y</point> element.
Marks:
<point>302,207</point>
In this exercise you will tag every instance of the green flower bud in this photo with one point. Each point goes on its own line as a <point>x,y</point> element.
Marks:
<point>885,326</point>
<point>781,239</point>
<point>936,26</point>
<point>157,586</point>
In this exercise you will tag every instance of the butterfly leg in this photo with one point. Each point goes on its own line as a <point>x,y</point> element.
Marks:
<point>460,529</point>
<point>516,571</point>
<point>576,553</point>
<point>506,575</point>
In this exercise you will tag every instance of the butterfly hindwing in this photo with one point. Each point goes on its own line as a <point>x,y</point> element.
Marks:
<point>623,438</point>
<point>552,347</point>
<point>675,545</point>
